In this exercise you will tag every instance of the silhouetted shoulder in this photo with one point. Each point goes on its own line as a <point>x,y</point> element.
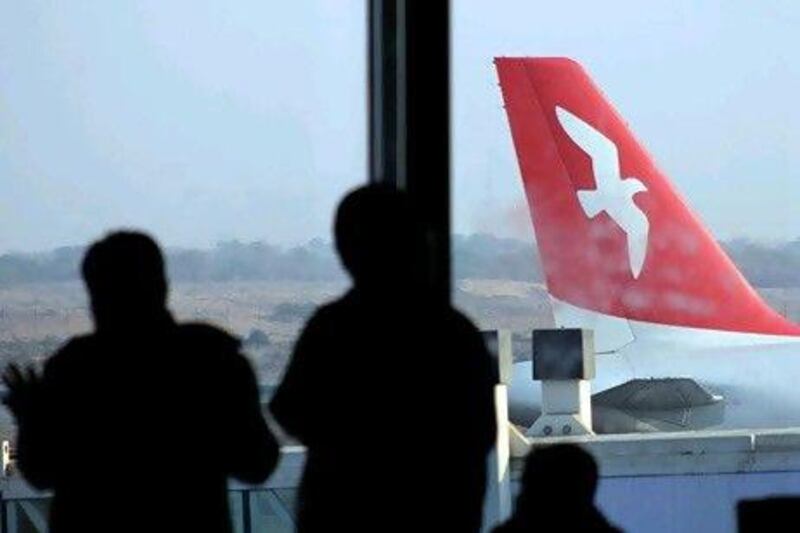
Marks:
<point>78,350</point>
<point>209,352</point>
<point>323,321</point>
<point>74,347</point>
<point>332,310</point>
<point>460,321</point>
<point>208,336</point>
<point>467,337</point>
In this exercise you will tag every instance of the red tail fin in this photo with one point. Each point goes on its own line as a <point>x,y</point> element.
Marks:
<point>614,235</point>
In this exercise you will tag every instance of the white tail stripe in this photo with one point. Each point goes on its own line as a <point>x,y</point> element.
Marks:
<point>613,333</point>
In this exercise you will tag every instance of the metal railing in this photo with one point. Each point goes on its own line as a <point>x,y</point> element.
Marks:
<point>252,511</point>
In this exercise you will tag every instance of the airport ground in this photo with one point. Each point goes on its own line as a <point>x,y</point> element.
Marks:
<point>36,318</point>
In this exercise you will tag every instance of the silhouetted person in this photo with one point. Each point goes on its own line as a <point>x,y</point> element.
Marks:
<point>390,390</point>
<point>768,515</point>
<point>558,488</point>
<point>137,426</point>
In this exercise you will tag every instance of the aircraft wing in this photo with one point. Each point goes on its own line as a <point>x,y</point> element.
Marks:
<point>656,394</point>
<point>662,404</point>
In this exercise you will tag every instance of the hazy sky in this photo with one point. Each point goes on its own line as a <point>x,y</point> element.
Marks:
<point>208,120</point>
<point>198,120</point>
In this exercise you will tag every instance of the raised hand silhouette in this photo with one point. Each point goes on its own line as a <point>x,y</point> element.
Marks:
<point>24,388</point>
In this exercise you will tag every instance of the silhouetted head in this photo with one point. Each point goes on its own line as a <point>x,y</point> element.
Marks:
<point>563,475</point>
<point>124,273</point>
<point>380,240</point>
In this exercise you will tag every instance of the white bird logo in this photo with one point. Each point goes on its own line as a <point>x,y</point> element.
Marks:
<point>614,194</point>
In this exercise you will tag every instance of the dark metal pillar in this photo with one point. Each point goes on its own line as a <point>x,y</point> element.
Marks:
<point>409,112</point>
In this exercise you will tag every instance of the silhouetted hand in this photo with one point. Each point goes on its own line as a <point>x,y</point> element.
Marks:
<point>24,389</point>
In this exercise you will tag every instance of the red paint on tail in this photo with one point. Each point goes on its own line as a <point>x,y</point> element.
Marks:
<point>685,278</point>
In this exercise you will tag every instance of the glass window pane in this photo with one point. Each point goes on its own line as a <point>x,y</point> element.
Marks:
<point>228,130</point>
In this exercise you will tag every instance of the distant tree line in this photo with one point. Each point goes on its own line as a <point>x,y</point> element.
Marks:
<point>767,265</point>
<point>474,256</point>
<point>227,261</point>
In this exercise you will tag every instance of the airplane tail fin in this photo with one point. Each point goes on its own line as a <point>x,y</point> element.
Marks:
<point>617,241</point>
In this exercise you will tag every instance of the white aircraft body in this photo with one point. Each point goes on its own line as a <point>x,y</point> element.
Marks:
<point>683,341</point>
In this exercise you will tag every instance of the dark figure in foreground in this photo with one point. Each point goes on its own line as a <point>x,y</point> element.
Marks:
<point>137,426</point>
<point>558,487</point>
<point>768,515</point>
<point>390,390</point>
